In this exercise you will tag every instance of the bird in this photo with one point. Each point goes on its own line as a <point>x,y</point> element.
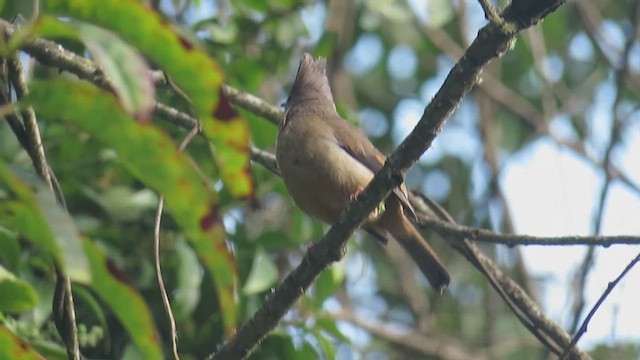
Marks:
<point>325,162</point>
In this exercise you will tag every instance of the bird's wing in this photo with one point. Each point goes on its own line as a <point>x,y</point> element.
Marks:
<point>360,148</point>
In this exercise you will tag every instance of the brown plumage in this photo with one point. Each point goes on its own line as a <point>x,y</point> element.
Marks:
<point>325,161</point>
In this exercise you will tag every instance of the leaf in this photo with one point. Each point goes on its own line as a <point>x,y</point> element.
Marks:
<point>49,349</point>
<point>17,295</point>
<point>187,292</point>
<point>327,283</point>
<point>122,203</point>
<point>31,210</point>
<point>256,5</point>
<point>440,13</point>
<point>328,347</point>
<point>152,157</point>
<point>329,326</point>
<point>126,304</point>
<point>14,348</point>
<point>89,299</point>
<point>307,351</point>
<point>126,70</point>
<point>390,9</point>
<point>189,66</point>
<point>9,249</point>
<point>275,346</point>
<point>263,274</point>
<point>288,30</point>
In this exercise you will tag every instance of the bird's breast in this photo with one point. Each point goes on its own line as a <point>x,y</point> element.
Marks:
<point>320,176</point>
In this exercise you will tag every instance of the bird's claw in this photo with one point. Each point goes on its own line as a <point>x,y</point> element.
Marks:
<point>376,213</point>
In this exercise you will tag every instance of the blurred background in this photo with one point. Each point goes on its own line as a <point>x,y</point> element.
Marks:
<point>548,144</point>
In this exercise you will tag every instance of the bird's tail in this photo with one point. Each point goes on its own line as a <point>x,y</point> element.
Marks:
<point>403,231</point>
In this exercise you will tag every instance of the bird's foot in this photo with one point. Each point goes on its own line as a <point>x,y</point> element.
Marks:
<point>376,213</point>
<point>355,194</point>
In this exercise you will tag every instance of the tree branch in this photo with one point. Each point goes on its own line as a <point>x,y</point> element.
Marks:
<point>454,230</point>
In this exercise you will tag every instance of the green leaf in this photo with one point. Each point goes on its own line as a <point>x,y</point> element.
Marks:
<point>17,295</point>
<point>390,9</point>
<point>308,352</point>
<point>328,347</point>
<point>440,13</point>
<point>90,301</point>
<point>220,32</point>
<point>263,274</point>
<point>122,64</point>
<point>14,8</point>
<point>128,72</point>
<point>9,249</point>
<point>283,4</point>
<point>327,283</point>
<point>127,305</point>
<point>276,346</point>
<point>122,203</point>
<point>49,349</point>
<point>190,67</point>
<point>329,326</point>
<point>152,157</point>
<point>289,29</point>
<point>187,292</point>
<point>31,210</point>
<point>256,5</point>
<point>14,348</point>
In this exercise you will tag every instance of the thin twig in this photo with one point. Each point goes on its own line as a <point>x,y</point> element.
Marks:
<point>490,12</point>
<point>585,323</point>
<point>265,158</point>
<point>476,234</point>
<point>156,256</point>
